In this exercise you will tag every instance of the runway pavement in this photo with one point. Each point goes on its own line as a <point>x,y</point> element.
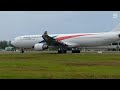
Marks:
<point>17,52</point>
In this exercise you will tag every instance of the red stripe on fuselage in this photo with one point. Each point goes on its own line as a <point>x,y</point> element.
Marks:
<point>72,36</point>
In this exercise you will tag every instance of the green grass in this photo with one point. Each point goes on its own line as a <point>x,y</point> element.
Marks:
<point>59,66</point>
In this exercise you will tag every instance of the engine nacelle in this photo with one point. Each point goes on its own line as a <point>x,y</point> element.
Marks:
<point>40,46</point>
<point>119,35</point>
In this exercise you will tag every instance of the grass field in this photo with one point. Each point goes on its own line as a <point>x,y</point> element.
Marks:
<point>59,66</point>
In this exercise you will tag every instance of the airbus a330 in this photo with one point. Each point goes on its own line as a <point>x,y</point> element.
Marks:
<point>64,42</point>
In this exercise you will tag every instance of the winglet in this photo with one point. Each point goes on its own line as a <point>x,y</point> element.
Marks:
<point>45,33</point>
<point>117,28</point>
<point>45,36</point>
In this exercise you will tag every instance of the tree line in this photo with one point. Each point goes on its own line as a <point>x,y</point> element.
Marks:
<point>4,44</point>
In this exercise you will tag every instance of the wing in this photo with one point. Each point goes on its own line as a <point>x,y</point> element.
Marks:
<point>51,41</point>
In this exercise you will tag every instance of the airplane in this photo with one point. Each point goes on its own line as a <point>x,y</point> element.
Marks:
<point>64,42</point>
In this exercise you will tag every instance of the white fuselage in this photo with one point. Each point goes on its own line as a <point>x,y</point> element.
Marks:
<point>72,40</point>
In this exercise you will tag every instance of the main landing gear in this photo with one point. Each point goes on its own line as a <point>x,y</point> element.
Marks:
<point>75,50</point>
<point>61,50</point>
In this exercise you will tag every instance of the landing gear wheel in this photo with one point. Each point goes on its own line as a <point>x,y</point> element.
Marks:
<point>22,50</point>
<point>62,51</point>
<point>75,50</point>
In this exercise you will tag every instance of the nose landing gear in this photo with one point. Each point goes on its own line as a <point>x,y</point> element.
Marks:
<point>22,50</point>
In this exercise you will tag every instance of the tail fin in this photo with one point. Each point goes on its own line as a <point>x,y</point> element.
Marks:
<point>117,28</point>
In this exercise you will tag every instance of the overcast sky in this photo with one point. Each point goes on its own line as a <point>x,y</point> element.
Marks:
<point>16,23</point>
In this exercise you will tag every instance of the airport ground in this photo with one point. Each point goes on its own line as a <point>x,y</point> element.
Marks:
<point>50,65</point>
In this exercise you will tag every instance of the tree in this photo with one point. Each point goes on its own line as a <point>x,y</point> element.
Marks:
<point>4,44</point>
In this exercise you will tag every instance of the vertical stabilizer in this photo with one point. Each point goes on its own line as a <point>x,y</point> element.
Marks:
<point>117,28</point>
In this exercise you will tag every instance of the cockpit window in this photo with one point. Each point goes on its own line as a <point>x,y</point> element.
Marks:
<point>17,38</point>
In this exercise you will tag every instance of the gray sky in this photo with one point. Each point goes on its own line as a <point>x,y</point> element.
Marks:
<point>16,23</point>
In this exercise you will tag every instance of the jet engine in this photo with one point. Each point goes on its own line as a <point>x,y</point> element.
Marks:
<point>40,46</point>
<point>119,35</point>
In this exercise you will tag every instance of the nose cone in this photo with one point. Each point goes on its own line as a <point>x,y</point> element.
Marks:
<point>13,43</point>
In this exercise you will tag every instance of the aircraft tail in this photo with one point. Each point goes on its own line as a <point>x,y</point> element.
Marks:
<point>117,28</point>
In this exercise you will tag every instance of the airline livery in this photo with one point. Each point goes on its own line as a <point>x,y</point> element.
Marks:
<point>66,42</point>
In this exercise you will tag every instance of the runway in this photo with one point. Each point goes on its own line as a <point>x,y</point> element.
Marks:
<point>55,52</point>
